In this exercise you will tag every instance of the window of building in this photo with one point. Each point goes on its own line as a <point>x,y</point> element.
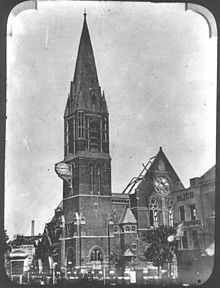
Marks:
<point>182,213</point>
<point>127,228</point>
<point>184,240</point>
<point>193,212</point>
<point>153,212</point>
<point>133,228</point>
<point>105,129</point>
<point>96,255</point>
<point>66,140</point>
<point>70,133</point>
<point>170,212</point>
<point>134,246</point>
<point>115,229</point>
<point>99,179</point>
<point>69,229</point>
<point>74,176</point>
<point>91,179</point>
<point>94,133</point>
<point>81,125</point>
<point>195,237</point>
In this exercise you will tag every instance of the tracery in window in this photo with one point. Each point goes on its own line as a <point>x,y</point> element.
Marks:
<point>170,212</point>
<point>127,228</point>
<point>96,255</point>
<point>94,133</point>
<point>153,212</point>
<point>81,124</point>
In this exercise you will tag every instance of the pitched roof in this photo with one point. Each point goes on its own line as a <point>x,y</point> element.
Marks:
<point>209,175</point>
<point>127,216</point>
<point>135,181</point>
<point>149,167</point>
<point>128,253</point>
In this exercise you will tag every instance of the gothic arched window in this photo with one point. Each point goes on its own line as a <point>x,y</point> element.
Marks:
<point>153,212</point>
<point>74,177</point>
<point>81,124</point>
<point>94,133</point>
<point>70,135</point>
<point>127,228</point>
<point>105,129</point>
<point>96,255</point>
<point>170,212</point>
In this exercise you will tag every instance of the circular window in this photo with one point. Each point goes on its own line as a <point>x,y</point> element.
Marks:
<point>162,186</point>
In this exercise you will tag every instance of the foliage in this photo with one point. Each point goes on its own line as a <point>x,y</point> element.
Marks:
<point>6,243</point>
<point>159,250</point>
<point>18,241</point>
<point>118,259</point>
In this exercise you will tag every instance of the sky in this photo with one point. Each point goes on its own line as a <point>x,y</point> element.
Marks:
<point>157,66</point>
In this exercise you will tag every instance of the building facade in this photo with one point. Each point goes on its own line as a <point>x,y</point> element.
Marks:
<point>91,222</point>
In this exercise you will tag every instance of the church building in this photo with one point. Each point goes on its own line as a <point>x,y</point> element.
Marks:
<point>91,221</point>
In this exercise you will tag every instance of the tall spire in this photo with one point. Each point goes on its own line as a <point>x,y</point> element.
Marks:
<point>86,90</point>
<point>84,13</point>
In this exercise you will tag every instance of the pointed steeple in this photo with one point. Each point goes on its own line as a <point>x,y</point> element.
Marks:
<point>87,130</point>
<point>104,103</point>
<point>85,86</point>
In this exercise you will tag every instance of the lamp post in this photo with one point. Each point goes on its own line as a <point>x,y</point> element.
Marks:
<point>104,271</point>
<point>109,222</point>
<point>54,267</point>
<point>79,220</point>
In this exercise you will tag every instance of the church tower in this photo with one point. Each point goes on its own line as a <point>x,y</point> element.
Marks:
<point>87,187</point>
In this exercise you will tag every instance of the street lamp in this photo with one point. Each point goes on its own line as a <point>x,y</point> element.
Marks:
<point>104,271</point>
<point>54,267</point>
<point>109,222</point>
<point>79,220</point>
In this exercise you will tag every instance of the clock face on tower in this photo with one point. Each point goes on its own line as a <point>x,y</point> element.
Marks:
<point>63,169</point>
<point>162,185</point>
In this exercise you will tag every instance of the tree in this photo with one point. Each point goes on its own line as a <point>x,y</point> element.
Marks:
<point>118,259</point>
<point>18,241</point>
<point>159,250</point>
<point>6,243</point>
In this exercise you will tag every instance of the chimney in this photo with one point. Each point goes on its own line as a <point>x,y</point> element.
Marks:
<point>32,228</point>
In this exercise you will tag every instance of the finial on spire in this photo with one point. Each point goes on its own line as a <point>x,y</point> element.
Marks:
<point>84,13</point>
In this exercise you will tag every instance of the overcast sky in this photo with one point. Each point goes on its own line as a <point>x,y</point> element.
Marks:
<point>157,66</point>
